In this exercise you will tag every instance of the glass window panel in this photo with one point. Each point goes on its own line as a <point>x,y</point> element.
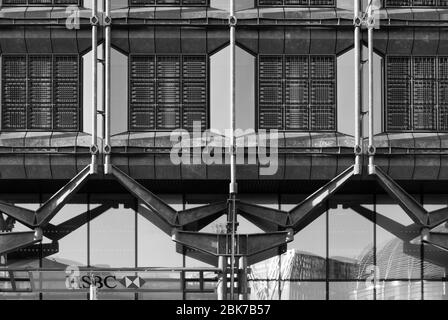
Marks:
<point>302,290</point>
<point>354,290</point>
<point>73,244</point>
<point>434,260</point>
<point>155,248</point>
<point>112,238</point>
<point>307,252</point>
<point>435,290</point>
<point>399,290</point>
<point>264,289</point>
<point>396,259</point>
<point>350,243</point>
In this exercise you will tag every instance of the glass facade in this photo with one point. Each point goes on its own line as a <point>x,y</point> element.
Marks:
<point>359,249</point>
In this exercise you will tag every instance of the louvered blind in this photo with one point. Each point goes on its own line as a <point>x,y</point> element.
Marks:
<point>328,3</point>
<point>296,92</point>
<point>416,97</point>
<point>168,2</point>
<point>416,3</point>
<point>40,2</point>
<point>40,92</point>
<point>168,92</point>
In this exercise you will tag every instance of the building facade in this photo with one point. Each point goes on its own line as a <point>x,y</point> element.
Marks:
<point>64,223</point>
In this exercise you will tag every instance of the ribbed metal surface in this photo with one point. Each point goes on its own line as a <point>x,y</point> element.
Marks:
<point>297,92</point>
<point>40,92</point>
<point>168,92</point>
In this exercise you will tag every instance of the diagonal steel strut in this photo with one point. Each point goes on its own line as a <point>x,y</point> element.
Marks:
<point>60,231</point>
<point>313,206</point>
<point>42,216</point>
<point>405,233</point>
<point>12,241</point>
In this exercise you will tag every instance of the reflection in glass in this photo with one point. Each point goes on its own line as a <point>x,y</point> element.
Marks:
<point>73,244</point>
<point>435,260</point>
<point>350,244</point>
<point>112,238</point>
<point>301,290</point>
<point>396,257</point>
<point>155,247</point>
<point>307,252</point>
<point>399,290</point>
<point>353,290</point>
<point>435,290</point>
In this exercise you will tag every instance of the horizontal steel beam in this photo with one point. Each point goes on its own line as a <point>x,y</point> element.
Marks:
<point>220,244</point>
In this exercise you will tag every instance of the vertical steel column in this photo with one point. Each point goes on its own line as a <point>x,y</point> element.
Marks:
<point>242,278</point>
<point>358,144</point>
<point>107,62</point>
<point>232,218</point>
<point>371,148</point>
<point>94,147</point>
<point>222,278</point>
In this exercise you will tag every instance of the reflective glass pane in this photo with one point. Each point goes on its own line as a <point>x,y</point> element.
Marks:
<point>396,257</point>
<point>350,242</point>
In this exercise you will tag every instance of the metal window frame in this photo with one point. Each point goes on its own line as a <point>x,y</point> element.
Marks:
<point>52,4</point>
<point>180,79</point>
<point>181,4</point>
<point>283,79</point>
<point>410,80</point>
<point>296,5</point>
<point>411,5</point>
<point>80,92</point>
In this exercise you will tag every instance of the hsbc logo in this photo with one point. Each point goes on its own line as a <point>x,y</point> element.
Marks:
<point>77,280</point>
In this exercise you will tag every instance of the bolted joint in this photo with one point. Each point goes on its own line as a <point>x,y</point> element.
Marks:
<point>358,150</point>
<point>94,21</point>
<point>107,149</point>
<point>357,22</point>
<point>107,21</point>
<point>290,235</point>
<point>94,150</point>
<point>370,23</point>
<point>371,150</point>
<point>233,21</point>
<point>425,233</point>
<point>38,234</point>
